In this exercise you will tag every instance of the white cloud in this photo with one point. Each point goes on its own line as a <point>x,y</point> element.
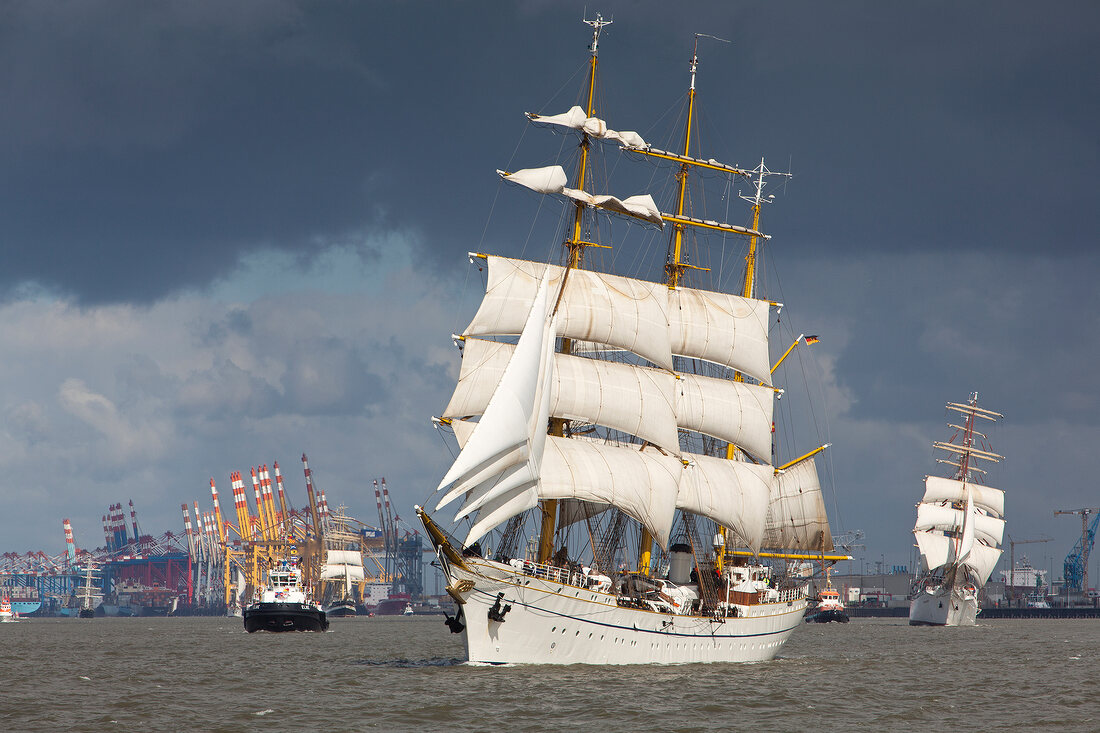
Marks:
<point>104,404</point>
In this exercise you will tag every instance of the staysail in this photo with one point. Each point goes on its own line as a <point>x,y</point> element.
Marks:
<point>499,464</point>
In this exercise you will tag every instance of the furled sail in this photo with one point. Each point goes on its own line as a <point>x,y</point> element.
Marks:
<point>552,180</point>
<point>576,119</point>
<point>639,316</point>
<point>937,489</point>
<point>796,514</point>
<point>549,179</point>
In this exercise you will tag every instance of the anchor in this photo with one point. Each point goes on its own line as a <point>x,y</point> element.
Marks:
<point>496,613</point>
<point>454,623</point>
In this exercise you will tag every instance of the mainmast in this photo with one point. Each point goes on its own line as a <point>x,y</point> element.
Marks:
<point>575,246</point>
<point>963,464</point>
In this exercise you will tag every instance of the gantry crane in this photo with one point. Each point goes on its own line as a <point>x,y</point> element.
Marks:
<point>1076,567</point>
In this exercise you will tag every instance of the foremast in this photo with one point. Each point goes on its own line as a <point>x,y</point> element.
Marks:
<point>575,255</point>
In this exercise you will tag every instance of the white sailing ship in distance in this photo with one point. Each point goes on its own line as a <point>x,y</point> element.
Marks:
<point>959,528</point>
<point>623,412</point>
<point>343,569</point>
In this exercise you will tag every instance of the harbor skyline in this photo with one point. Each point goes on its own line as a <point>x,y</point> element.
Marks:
<point>228,245</point>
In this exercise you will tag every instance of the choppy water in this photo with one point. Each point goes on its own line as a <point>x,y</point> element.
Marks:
<point>366,674</point>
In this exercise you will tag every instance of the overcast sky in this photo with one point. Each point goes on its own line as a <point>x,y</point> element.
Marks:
<point>236,232</point>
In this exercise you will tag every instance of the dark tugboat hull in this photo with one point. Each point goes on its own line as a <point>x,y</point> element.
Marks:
<point>341,611</point>
<point>824,617</point>
<point>284,617</point>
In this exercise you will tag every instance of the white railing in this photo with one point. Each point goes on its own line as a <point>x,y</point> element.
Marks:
<point>554,574</point>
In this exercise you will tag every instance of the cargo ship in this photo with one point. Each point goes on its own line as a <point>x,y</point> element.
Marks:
<point>24,599</point>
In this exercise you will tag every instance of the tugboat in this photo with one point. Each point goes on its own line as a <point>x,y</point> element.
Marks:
<point>6,614</point>
<point>283,605</point>
<point>829,608</point>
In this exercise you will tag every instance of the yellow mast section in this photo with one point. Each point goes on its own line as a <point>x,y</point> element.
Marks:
<point>675,267</point>
<point>576,247</point>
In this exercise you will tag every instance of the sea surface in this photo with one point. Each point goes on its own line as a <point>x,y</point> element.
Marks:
<point>403,674</point>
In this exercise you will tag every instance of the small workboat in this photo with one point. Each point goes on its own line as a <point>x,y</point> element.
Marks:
<point>829,607</point>
<point>283,604</point>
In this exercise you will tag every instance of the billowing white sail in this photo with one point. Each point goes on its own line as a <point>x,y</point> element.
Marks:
<point>725,329</point>
<point>966,541</point>
<point>796,515</point>
<point>576,119</point>
<point>343,564</point>
<point>647,403</point>
<point>571,511</point>
<point>644,484</point>
<point>736,412</point>
<point>618,311</point>
<point>935,549</point>
<point>945,518</point>
<point>938,551</point>
<point>733,493</point>
<point>646,318</point>
<point>982,560</point>
<point>937,489</point>
<point>635,400</point>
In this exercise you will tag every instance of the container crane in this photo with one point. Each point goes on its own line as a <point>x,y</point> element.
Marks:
<point>1076,567</point>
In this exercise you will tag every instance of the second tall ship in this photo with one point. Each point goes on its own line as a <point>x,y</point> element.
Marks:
<point>959,529</point>
<point>631,425</point>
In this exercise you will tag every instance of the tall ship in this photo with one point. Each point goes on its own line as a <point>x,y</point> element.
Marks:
<point>343,571</point>
<point>959,528</point>
<point>615,418</point>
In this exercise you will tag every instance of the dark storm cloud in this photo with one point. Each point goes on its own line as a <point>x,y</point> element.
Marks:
<point>149,146</point>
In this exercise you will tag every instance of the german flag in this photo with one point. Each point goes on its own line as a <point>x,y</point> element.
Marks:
<point>812,339</point>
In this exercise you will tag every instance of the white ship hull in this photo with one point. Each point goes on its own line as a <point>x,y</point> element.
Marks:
<point>943,607</point>
<point>557,623</point>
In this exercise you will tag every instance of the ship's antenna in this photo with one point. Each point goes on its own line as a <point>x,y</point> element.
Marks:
<point>757,197</point>
<point>695,54</point>
<point>597,26</point>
